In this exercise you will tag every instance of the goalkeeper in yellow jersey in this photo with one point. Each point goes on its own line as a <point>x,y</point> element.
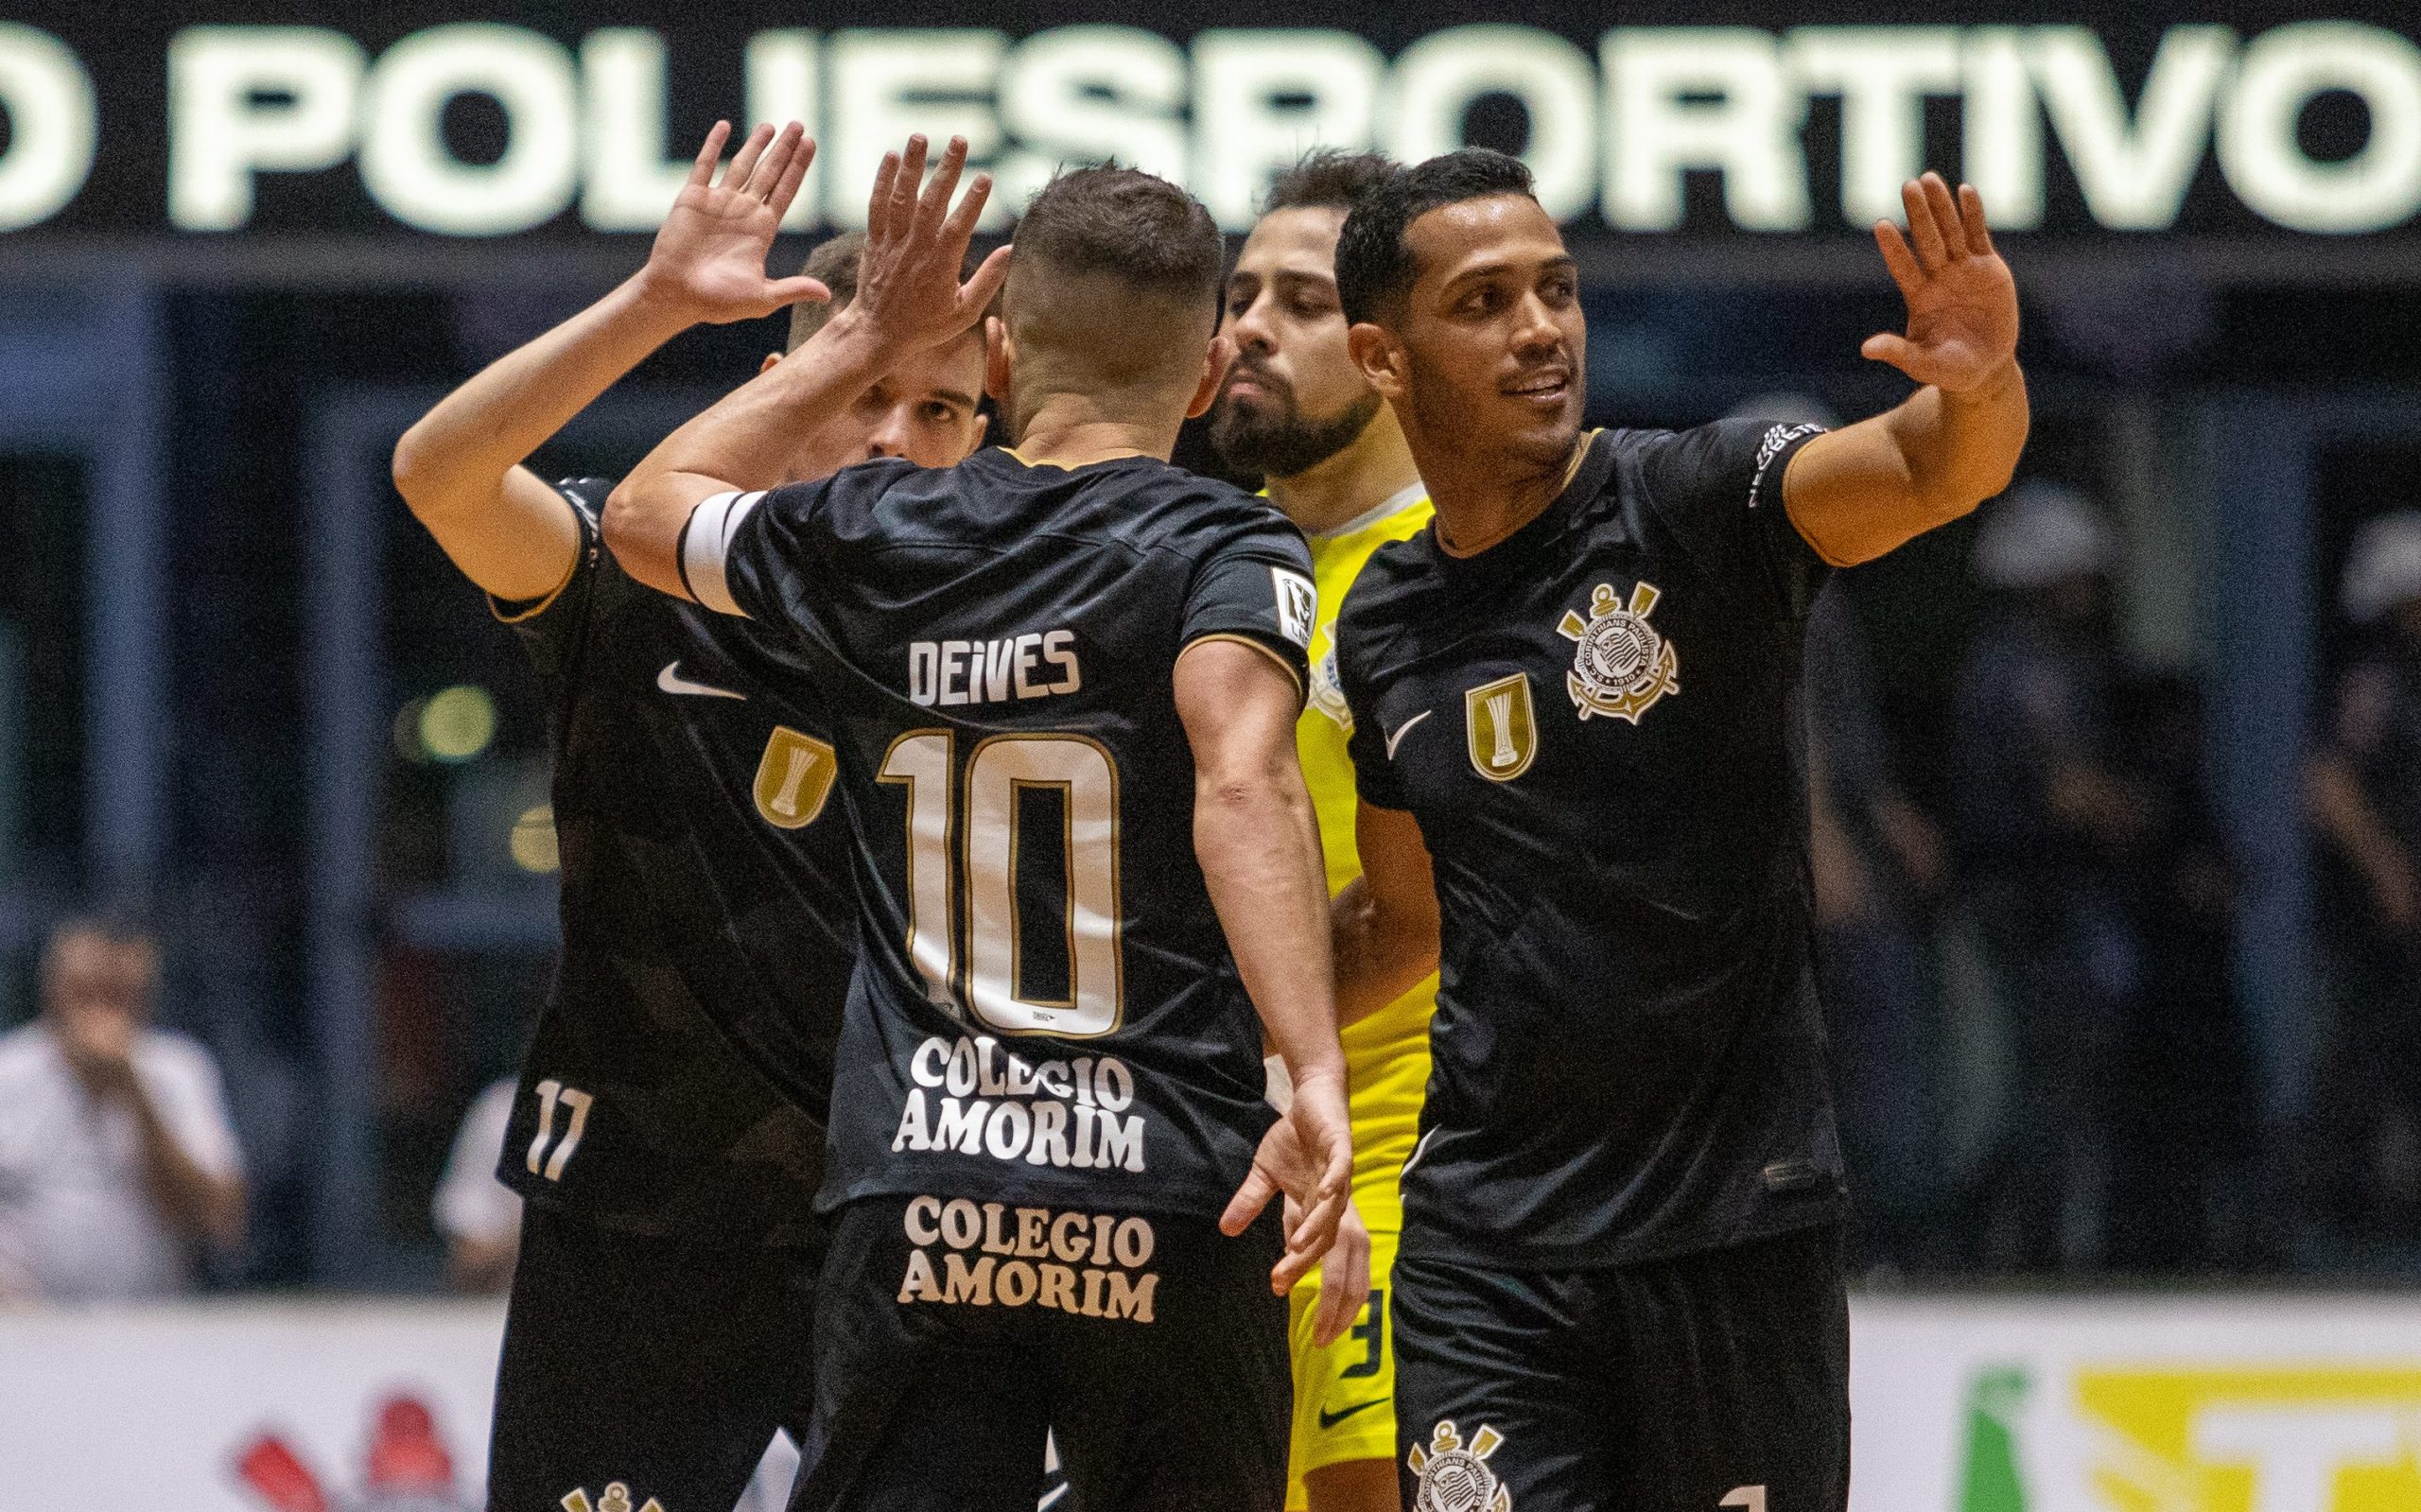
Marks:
<point>1295,410</point>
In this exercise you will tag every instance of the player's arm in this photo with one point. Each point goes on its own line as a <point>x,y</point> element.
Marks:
<point>1865,489</point>
<point>459,466</point>
<point>1259,843</point>
<point>1383,926</point>
<point>909,298</point>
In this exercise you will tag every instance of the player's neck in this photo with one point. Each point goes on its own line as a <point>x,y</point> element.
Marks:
<point>1351,484</point>
<point>1482,498</point>
<point>1071,429</point>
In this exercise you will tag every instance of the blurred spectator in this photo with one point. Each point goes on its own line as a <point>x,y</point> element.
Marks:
<point>479,1216</point>
<point>2041,819</point>
<point>2365,795</point>
<point>1879,866</point>
<point>118,1161</point>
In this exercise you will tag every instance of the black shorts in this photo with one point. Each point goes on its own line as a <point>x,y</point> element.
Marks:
<point>660,1365</point>
<point>953,1337</point>
<point>1715,1381</point>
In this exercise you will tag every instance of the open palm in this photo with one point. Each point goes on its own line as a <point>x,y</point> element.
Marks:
<point>1963,303</point>
<point>709,256</point>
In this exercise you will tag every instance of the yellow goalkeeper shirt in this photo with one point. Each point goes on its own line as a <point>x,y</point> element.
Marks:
<point>1387,1055</point>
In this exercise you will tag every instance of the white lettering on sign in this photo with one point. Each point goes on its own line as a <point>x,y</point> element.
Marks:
<point>53,121</point>
<point>1620,131</point>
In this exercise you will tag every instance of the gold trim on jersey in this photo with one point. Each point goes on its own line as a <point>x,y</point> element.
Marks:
<point>1248,640</point>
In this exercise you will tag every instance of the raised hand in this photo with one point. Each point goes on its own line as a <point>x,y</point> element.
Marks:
<point>1963,303</point>
<point>909,291</point>
<point>708,261</point>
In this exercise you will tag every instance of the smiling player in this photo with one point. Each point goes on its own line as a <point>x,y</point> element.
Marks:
<point>1576,736</point>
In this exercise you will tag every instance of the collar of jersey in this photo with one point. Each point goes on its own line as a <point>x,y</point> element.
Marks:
<point>1402,498</point>
<point>1591,468</point>
<point>1011,452</point>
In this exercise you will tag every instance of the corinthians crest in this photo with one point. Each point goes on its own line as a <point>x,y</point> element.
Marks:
<point>1455,1478</point>
<point>1622,666</point>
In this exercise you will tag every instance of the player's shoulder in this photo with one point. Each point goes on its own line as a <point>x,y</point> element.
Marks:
<point>1389,594</point>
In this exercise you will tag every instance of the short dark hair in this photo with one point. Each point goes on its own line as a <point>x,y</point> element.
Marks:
<point>1327,179</point>
<point>1374,264</point>
<point>834,264</point>
<point>1134,225</point>
<point>1096,243</point>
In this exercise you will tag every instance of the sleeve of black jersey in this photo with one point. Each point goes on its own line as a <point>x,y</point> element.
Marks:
<point>1719,489</point>
<point>553,625</point>
<point>1374,776</point>
<point>762,556</point>
<point>1254,586</point>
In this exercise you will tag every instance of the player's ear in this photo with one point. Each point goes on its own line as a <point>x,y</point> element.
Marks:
<point>1380,356</point>
<point>1214,371</point>
<point>1000,356</point>
<point>767,366</point>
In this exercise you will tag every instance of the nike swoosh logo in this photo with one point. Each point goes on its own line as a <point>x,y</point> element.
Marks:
<point>671,681</point>
<point>1330,1419</point>
<point>1403,730</point>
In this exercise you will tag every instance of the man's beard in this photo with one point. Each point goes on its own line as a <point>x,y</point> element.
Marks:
<point>1273,438</point>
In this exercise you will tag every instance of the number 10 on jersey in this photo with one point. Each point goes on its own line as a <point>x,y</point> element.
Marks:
<point>975,835</point>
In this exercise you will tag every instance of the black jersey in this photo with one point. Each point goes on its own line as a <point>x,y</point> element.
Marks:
<point>1596,723</point>
<point>680,1074</point>
<point>1046,1009</point>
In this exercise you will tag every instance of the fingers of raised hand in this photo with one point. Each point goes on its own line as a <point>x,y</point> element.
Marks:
<point>886,176</point>
<point>906,188</point>
<point>786,189</point>
<point>1925,233</point>
<point>1898,258</point>
<point>1885,346</point>
<point>743,163</point>
<point>1971,210</point>
<point>1945,216</point>
<point>773,165</point>
<point>959,227</point>
<point>932,205</point>
<point>701,169</point>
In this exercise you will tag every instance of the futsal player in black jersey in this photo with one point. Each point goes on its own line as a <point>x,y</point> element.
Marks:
<point>1064,681</point>
<point>1577,743</point>
<point>669,1133</point>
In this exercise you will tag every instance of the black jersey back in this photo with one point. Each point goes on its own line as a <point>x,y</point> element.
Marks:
<point>1596,725</point>
<point>1046,1009</point>
<point>680,1074</point>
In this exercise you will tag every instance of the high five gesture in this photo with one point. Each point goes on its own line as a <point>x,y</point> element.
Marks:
<point>1865,489</point>
<point>1963,303</point>
<point>708,261</point>
<point>909,293</point>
